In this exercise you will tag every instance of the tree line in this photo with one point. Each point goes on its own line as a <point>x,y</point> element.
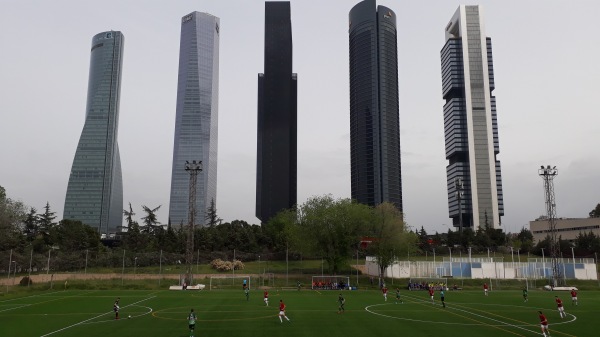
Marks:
<point>323,227</point>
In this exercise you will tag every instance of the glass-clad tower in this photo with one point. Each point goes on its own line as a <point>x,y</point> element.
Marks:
<point>374,113</point>
<point>196,116</point>
<point>470,125</point>
<point>277,117</point>
<point>95,190</point>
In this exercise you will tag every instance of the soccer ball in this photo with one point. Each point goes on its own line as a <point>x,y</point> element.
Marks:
<point>129,316</point>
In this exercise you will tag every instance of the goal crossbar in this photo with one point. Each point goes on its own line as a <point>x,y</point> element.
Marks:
<point>219,281</point>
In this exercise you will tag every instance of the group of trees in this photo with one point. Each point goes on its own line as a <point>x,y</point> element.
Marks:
<point>332,229</point>
<point>322,227</point>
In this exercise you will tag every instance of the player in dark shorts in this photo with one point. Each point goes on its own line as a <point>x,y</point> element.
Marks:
<point>398,296</point>
<point>525,299</point>
<point>192,322</point>
<point>442,295</point>
<point>116,308</point>
<point>341,301</point>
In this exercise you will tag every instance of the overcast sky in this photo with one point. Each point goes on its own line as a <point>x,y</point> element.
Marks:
<point>546,65</point>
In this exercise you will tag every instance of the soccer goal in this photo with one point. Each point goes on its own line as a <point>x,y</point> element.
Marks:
<point>424,283</point>
<point>518,283</point>
<point>230,282</point>
<point>330,282</point>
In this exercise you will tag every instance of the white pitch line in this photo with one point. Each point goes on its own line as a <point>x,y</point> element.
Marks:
<point>21,306</point>
<point>484,317</point>
<point>82,322</point>
<point>20,298</point>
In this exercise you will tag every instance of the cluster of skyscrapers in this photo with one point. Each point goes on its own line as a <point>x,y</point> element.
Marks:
<point>95,190</point>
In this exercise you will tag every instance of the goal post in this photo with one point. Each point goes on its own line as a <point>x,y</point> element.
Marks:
<point>325,282</point>
<point>229,282</point>
<point>424,283</point>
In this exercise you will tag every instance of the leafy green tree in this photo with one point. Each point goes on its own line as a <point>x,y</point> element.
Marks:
<point>587,243</point>
<point>331,228</point>
<point>482,240</point>
<point>391,237</point>
<point>526,238</point>
<point>150,221</point>
<point>283,231</point>
<point>73,235</point>
<point>135,240</point>
<point>467,238</point>
<point>12,215</point>
<point>595,213</point>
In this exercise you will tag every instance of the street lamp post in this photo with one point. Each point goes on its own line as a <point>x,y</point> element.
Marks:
<point>512,256</point>
<point>450,250</point>
<point>544,262</point>
<point>15,272</point>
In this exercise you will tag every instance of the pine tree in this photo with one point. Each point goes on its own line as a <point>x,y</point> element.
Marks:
<point>46,223</point>
<point>211,214</point>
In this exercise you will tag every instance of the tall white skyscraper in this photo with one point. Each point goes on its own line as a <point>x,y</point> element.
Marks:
<point>196,124</point>
<point>473,173</point>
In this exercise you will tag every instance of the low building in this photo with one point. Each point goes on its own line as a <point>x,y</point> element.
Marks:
<point>566,228</point>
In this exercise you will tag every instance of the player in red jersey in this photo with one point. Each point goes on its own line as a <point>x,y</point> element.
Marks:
<point>561,309</point>
<point>485,289</point>
<point>384,291</point>
<point>266,298</point>
<point>431,292</point>
<point>573,296</point>
<point>544,324</point>
<point>282,311</point>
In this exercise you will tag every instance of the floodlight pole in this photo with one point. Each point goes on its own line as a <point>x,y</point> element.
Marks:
<point>193,169</point>
<point>548,174</point>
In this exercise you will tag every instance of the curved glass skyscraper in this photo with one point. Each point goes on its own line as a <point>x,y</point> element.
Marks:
<point>374,112</point>
<point>95,190</point>
<point>196,120</point>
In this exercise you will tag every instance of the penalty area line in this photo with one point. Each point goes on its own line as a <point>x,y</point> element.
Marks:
<point>89,319</point>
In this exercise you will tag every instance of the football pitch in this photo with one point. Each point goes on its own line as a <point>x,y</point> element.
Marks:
<point>312,313</point>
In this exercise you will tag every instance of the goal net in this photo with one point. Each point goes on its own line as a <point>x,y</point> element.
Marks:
<point>230,282</point>
<point>513,284</point>
<point>330,282</point>
<point>424,283</point>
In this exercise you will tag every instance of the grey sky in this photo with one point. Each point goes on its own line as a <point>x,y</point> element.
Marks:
<point>546,72</point>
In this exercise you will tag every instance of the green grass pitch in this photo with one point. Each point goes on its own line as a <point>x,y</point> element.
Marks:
<point>312,313</point>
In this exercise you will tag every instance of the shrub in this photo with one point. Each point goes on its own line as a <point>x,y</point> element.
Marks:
<point>25,281</point>
<point>221,265</point>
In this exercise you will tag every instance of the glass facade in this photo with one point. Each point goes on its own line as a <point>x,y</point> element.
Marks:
<point>95,191</point>
<point>276,161</point>
<point>374,106</point>
<point>470,123</point>
<point>196,120</point>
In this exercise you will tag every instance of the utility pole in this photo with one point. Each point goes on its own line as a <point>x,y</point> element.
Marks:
<point>193,169</point>
<point>547,174</point>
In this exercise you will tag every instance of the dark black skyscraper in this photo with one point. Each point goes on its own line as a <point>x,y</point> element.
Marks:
<point>277,122</point>
<point>374,115</point>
